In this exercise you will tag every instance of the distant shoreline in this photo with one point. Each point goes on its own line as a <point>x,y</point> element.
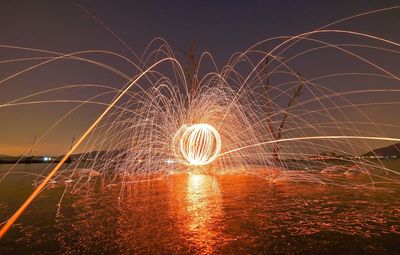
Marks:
<point>31,160</point>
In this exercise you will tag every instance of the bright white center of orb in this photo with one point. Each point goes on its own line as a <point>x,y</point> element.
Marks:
<point>197,144</point>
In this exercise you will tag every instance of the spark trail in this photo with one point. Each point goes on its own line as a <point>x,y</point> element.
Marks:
<point>226,121</point>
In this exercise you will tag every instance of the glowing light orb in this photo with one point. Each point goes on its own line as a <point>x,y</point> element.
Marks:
<point>197,144</point>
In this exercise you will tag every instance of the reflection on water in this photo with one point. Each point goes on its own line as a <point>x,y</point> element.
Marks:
<point>202,214</point>
<point>199,211</point>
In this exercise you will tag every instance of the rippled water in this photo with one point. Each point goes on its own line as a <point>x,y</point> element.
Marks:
<point>202,214</point>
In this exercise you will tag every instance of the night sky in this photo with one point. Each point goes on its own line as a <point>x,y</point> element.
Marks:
<point>220,27</point>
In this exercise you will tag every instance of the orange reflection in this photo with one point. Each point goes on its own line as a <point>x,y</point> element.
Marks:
<point>197,200</point>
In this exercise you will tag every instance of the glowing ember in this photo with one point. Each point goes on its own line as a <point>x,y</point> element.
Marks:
<point>197,144</point>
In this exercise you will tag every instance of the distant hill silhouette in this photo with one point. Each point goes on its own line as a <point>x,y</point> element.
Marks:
<point>391,150</point>
<point>118,154</point>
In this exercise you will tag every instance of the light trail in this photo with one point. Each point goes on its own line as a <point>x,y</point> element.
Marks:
<point>312,138</point>
<point>43,184</point>
<point>197,144</point>
<point>159,126</point>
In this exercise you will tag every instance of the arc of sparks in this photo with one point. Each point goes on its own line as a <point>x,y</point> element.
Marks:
<point>312,138</point>
<point>42,185</point>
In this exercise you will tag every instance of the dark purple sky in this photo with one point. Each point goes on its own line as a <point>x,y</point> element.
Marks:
<point>220,27</point>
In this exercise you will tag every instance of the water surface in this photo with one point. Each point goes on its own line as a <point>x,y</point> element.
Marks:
<point>201,214</point>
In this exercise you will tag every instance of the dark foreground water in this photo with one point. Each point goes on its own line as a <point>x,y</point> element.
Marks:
<point>201,214</point>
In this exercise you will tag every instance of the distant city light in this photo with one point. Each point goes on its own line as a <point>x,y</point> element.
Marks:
<point>46,159</point>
